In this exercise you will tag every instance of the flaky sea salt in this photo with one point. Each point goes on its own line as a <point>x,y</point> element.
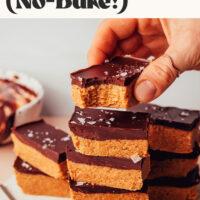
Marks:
<point>91,122</point>
<point>79,183</point>
<point>65,139</point>
<point>81,120</point>
<point>30,135</point>
<point>123,74</point>
<point>26,165</point>
<point>184,114</point>
<point>136,159</point>
<point>112,119</point>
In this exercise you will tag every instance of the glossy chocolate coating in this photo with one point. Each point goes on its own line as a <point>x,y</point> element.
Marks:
<point>99,124</point>
<point>170,116</point>
<point>120,71</point>
<point>26,168</point>
<point>96,189</point>
<point>191,179</point>
<point>49,141</point>
<point>162,155</point>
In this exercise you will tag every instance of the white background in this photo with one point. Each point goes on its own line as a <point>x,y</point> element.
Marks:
<point>49,49</point>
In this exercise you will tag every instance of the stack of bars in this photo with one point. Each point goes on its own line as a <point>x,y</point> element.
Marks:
<point>150,152</point>
<point>108,153</point>
<point>108,158</point>
<point>174,151</point>
<point>40,166</point>
<point>105,141</point>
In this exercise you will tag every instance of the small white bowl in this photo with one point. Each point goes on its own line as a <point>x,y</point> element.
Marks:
<point>31,111</point>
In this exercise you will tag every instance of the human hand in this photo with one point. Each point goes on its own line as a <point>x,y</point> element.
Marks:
<point>174,42</point>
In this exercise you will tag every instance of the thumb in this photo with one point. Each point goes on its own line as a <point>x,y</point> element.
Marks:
<point>155,79</point>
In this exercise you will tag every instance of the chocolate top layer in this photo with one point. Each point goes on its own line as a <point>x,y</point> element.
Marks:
<point>119,71</point>
<point>170,116</point>
<point>162,155</point>
<point>48,140</point>
<point>96,189</point>
<point>135,163</point>
<point>26,168</point>
<point>191,179</point>
<point>98,124</point>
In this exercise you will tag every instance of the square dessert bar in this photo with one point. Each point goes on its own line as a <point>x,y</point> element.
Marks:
<point>43,146</point>
<point>122,173</point>
<point>85,191</point>
<point>165,164</point>
<point>171,129</point>
<point>99,132</point>
<point>33,181</point>
<point>107,85</point>
<point>182,188</point>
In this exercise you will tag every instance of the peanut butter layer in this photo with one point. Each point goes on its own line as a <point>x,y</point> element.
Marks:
<point>165,164</point>
<point>42,146</point>
<point>33,181</point>
<point>107,85</point>
<point>101,132</point>
<point>169,139</point>
<point>107,171</point>
<point>173,193</point>
<point>111,148</point>
<point>83,191</point>
<point>108,95</point>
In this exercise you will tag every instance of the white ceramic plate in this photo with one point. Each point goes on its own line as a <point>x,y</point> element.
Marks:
<point>31,111</point>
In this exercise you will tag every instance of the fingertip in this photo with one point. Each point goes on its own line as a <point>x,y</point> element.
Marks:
<point>145,91</point>
<point>95,57</point>
<point>154,80</point>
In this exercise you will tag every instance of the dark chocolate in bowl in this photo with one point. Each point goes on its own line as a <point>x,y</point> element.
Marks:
<point>12,97</point>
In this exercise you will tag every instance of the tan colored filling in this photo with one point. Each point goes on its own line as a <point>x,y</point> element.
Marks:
<point>113,148</point>
<point>42,185</point>
<point>106,176</point>
<point>127,196</point>
<point>103,95</point>
<point>38,160</point>
<point>172,168</point>
<point>173,193</point>
<point>170,139</point>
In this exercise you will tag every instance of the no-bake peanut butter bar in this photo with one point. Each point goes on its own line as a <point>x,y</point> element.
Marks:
<point>182,188</point>
<point>122,173</point>
<point>171,129</point>
<point>99,132</point>
<point>32,181</point>
<point>172,164</point>
<point>107,85</point>
<point>43,146</point>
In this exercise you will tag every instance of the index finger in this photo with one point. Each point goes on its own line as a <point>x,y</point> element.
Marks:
<point>107,36</point>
